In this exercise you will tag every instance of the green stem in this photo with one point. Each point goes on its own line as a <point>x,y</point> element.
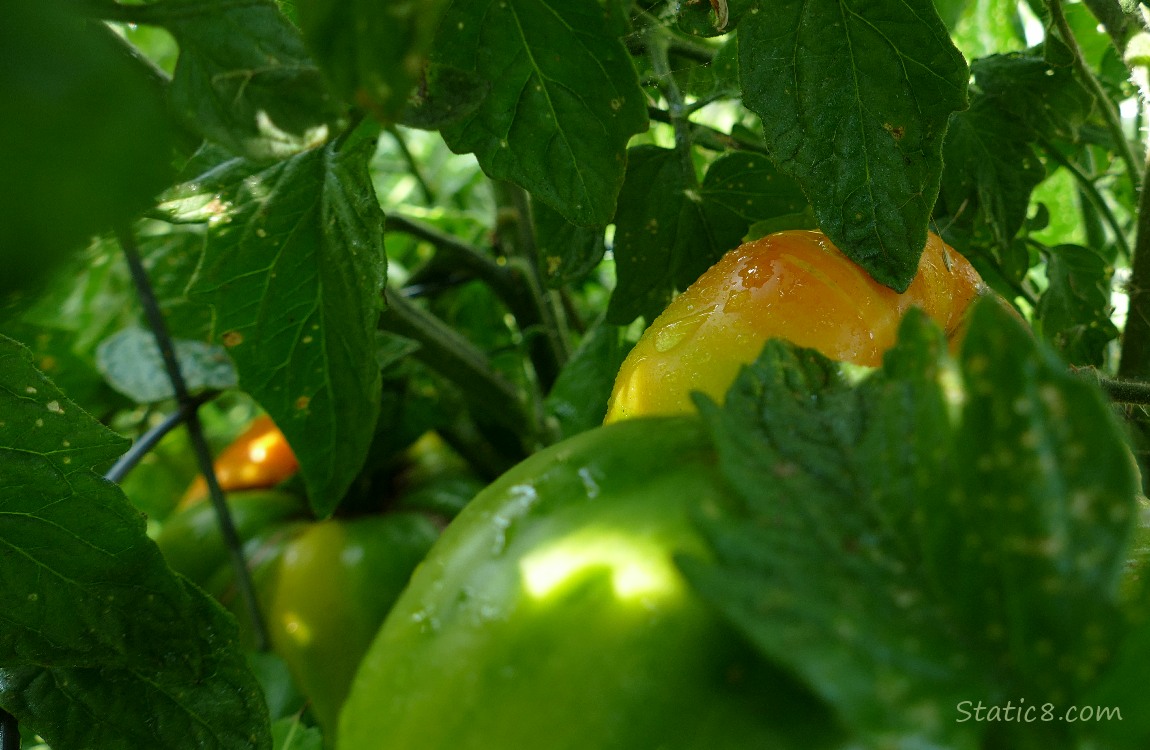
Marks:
<point>1109,112</point>
<point>458,253</point>
<point>189,407</point>
<point>413,165</point>
<point>1134,362</point>
<point>708,137</point>
<point>444,350</point>
<point>676,105</point>
<point>1088,188</point>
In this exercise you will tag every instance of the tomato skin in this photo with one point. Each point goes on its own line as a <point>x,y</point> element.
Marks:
<point>794,285</point>
<point>191,539</point>
<point>551,615</point>
<point>260,458</point>
<point>335,583</point>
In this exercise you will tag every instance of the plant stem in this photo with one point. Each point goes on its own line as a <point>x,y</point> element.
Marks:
<point>1109,113</point>
<point>1134,361</point>
<point>189,406</point>
<point>151,438</point>
<point>457,359</point>
<point>413,166</point>
<point>9,731</point>
<point>458,252</point>
<point>535,307</point>
<point>676,106</point>
<point>708,137</point>
<point>1090,190</point>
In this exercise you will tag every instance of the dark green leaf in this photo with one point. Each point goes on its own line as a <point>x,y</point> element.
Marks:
<point>1036,94</point>
<point>1075,308</point>
<point>95,624</point>
<point>294,268</point>
<point>131,363</point>
<point>855,101</point>
<point>567,253</point>
<point>86,137</point>
<point>373,51</point>
<point>667,232</point>
<point>662,242</point>
<point>743,189</point>
<point>578,401</point>
<point>564,99</point>
<point>991,169</point>
<point>244,78</point>
<point>902,556</point>
<point>445,96</point>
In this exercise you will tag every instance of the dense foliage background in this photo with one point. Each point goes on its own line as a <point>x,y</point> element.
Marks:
<point>372,220</point>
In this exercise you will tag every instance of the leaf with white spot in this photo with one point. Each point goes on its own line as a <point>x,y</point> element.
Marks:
<point>930,536</point>
<point>95,624</point>
<point>131,362</point>
<point>855,99</point>
<point>294,268</point>
<point>564,99</point>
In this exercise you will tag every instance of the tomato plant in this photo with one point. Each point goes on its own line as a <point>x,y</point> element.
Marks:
<point>428,241</point>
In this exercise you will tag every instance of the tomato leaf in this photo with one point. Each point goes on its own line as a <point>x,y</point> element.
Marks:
<point>244,78</point>
<point>294,269</point>
<point>578,401</point>
<point>1046,98</point>
<point>991,169</point>
<point>567,253</point>
<point>903,554</point>
<point>564,99</point>
<point>95,623</point>
<point>668,232</point>
<point>86,133</point>
<point>662,242</point>
<point>372,52</point>
<point>854,101</point>
<point>1075,308</point>
<point>131,363</point>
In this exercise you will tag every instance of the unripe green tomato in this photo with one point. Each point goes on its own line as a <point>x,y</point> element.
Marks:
<point>335,583</point>
<point>551,616</point>
<point>191,539</point>
<point>793,285</point>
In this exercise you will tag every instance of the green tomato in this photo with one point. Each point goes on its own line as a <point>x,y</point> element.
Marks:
<point>335,583</point>
<point>551,614</point>
<point>191,539</point>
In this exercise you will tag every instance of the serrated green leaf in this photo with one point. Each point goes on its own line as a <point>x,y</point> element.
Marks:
<point>294,269</point>
<point>578,400</point>
<point>131,362</point>
<point>290,733</point>
<point>1045,98</point>
<point>567,253</point>
<point>991,169</point>
<point>668,231</point>
<point>445,96</point>
<point>244,78</point>
<point>662,242</point>
<point>95,623</point>
<point>372,51</point>
<point>742,189</point>
<point>1075,308</point>
<point>929,536</point>
<point>564,99</point>
<point>88,140</point>
<point>855,101</point>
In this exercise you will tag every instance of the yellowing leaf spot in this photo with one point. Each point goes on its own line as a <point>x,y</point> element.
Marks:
<point>233,338</point>
<point>302,402</point>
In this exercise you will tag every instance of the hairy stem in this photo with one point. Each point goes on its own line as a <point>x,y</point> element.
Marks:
<point>1135,358</point>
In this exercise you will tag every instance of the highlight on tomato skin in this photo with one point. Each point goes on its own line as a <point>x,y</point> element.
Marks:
<point>260,458</point>
<point>795,285</point>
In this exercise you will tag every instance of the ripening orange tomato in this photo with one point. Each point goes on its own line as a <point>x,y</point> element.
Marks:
<point>260,458</point>
<point>794,285</point>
